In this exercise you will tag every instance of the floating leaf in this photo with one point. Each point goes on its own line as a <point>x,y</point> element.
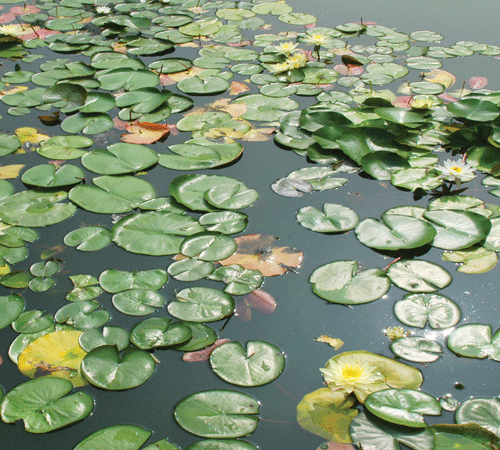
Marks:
<point>339,282</point>
<point>475,341</point>
<point>114,281</point>
<point>473,259</point>
<point>88,239</point>
<point>260,364</point>
<point>416,309</point>
<point>418,276</point>
<point>56,354</point>
<point>208,246</point>
<point>48,176</point>
<point>334,219</point>
<point>11,306</point>
<point>417,349</point>
<point>144,132</point>
<point>10,172</point>
<point>118,437</point>
<point>82,315</point>
<point>94,338</point>
<point>240,281</point>
<point>43,405</point>
<point>261,252</point>
<point>160,332</point>
<point>218,414</point>
<point>481,411</point>
<point>103,367</point>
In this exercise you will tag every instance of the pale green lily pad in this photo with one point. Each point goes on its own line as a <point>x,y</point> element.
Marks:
<point>473,260</point>
<point>416,310</point>
<point>227,222</point>
<point>221,444</point>
<point>483,411</point>
<point>87,123</point>
<point>202,336</point>
<point>334,219</point>
<point>83,288</point>
<point>259,364</point>
<point>240,281</point>
<point>11,306</point>
<point>339,282</point>
<point>160,332</point>
<point>94,338</point>
<point>475,341</point>
<point>138,302</point>
<point>209,246</point>
<point>64,147</point>
<point>403,406</point>
<point>418,276</point>
<point>82,315</point>
<point>417,349</point>
<point>190,269</point>
<point>114,281</point>
<point>48,176</point>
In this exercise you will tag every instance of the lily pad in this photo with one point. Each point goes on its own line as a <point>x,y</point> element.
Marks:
<point>11,306</point>
<point>240,281</point>
<point>201,304</point>
<point>88,239</point>
<point>190,269</point>
<point>260,364</point>
<point>208,246</point>
<point>202,337</point>
<point>64,147</point>
<point>94,338</point>
<point>160,332</point>
<point>32,321</point>
<point>103,367</point>
<point>48,176</point>
<point>339,282</point>
<point>403,406</point>
<point>334,219</point>
<point>82,315</point>
<point>417,349</point>
<point>114,281</point>
<point>227,222</point>
<point>475,341</point>
<point>221,444</point>
<point>416,309</point>
<point>218,414</point>
<point>117,437</point>
<point>43,405</point>
<point>482,411</point>
<point>418,276</point>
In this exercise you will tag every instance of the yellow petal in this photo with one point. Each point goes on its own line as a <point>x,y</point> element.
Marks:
<point>10,172</point>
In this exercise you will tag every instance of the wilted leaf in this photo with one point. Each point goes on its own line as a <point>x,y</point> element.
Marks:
<point>144,132</point>
<point>29,134</point>
<point>332,342</point>
<point>204,354</point>
<point>11,171</point>
<point>261,252</point>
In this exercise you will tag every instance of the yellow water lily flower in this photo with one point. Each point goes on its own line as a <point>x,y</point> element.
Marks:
<point>316,39</point>
<point>286,47</point>
<point>280,67</point>
<point>349,373</point>
<point>296,60</point>
<point>13,29</point>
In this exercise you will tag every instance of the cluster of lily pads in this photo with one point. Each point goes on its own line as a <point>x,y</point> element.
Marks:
<point>112,75</point>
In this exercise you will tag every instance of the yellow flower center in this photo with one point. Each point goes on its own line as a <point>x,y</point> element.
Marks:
<point>457,169</point>
<point>352,373</point>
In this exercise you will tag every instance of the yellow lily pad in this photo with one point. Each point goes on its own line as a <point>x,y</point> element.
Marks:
<point>11,171</point>
<point>56,354</point>
<point>29,134</point>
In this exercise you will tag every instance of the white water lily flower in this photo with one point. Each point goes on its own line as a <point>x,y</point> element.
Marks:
<point>316,39</point>
<point>280,67</point>
<point>103,9</point>
<point>15,30</point>
<point>456,170</point>
<point>349,373</point>
<point>286,47</point>
<point>296,60</point>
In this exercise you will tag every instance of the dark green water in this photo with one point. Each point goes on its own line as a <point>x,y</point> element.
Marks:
<point>300,315</point>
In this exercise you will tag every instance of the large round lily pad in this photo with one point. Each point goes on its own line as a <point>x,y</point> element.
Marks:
<point>218,414</point>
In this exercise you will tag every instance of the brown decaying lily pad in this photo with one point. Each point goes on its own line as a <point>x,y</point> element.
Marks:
<point>261,252</point>
<point>335,446</point>
<point>259,300</point>
<point>203,354</point>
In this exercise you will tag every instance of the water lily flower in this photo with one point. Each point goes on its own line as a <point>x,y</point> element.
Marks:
<point>316,39</point>
<point>297,60</point>
<point>458,171</point>
<point>286,48</point>
<point>14,30</point>
<point>350,374</point>
<point>103,9</point>
<point>280,67</point>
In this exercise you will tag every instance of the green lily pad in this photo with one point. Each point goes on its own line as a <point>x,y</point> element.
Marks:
<point>68,96</point>
<point>201,304</point>
<point>403,406</point>
<point>231,196</point>
<point>482,411</point>
<point>8,144</point>
<point>35,208</point>
<point>83,288</point>
<point>87,123</point>
<point>43,405</point>
<point>32,321</point>
<point>218,414</point>
<point>374,434</point>
<point>82,315</point>
<point>17,279</point>
<point>117,437</point>
<point>240,281</point>
<point>88,239</point>
<point>265,109</point>
<point>154,233</point>
<point>339,282</point>
<point>456,230</point>
<point>416,310</point>
<point>198,86</point>
<point>64,147</point>
<point>209,246</point>
<point>227,222</point>
<point>260,364</point>
<point>417,349</point>
<point>138,302</point>
<point>202,336</point>
<point>334,219</point>
<point>417,178</point>
<point>418,276</point>
<point>127,78</point>
<point>475,341</point>
<point>11,307</point>
<point>98,102</point>
<point>468,436</point>
<point>120,159</point>
<point>48,176</point>
<point>112,194</point>
<point>160,332</point>
<point>103,367</point>
<point>474,109</point>
<point>395,232</point>
<point>94,338</point>
<point>41,284</point>
<point>190,269</point>
<point>115,281</point>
